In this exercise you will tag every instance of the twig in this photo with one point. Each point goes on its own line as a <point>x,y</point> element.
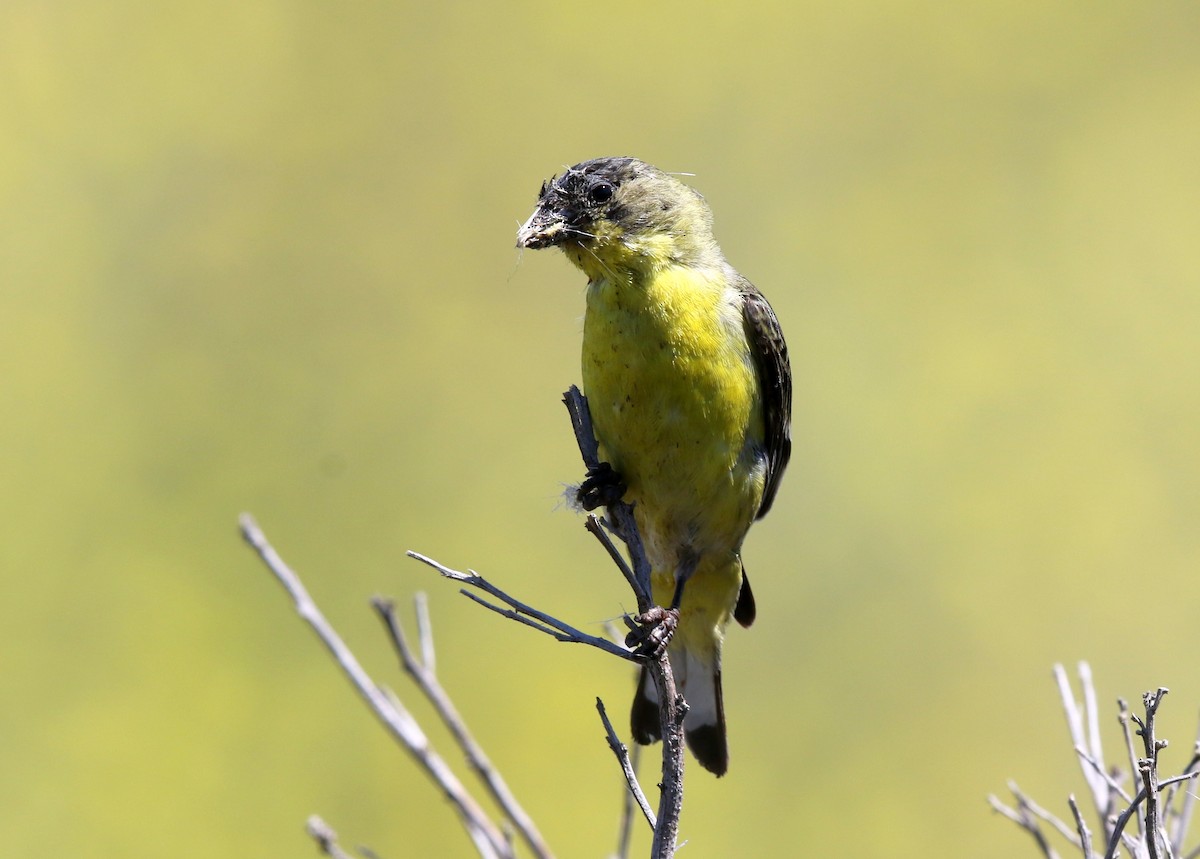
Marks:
<point>1189,801</point>
<point>625,829</point>
<point>1022,817</point>
<point>488,839</point>
<point>427,682</point>
<point>322,833</point>
<point>1108,779</point>
<point>622,753</point>
<point>596,527</point>
<point>524,613</point>
<point>1085,836</point>
<point>672,707</point>
<point>1123,718</point>
<point>1038,811</point>
<point>1148,769</point>
<point>1124,816</point>
<point>620,514</point>
<point>1096,780</point>
<point>425,632</point>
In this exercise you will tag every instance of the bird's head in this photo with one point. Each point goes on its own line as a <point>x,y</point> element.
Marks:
<point>621,214</point>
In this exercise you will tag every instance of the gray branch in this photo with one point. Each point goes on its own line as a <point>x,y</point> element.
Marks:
<point>619,749</point>
<point>423,675</point>
<point>488,839</point>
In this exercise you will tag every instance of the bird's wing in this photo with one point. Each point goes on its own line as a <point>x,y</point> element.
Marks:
<point>775,381</point>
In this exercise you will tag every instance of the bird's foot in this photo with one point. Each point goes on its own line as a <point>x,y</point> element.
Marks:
<point>602,486</point>
<point>653,631</point>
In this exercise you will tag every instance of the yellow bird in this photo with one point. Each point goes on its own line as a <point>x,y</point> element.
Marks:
<point>687,378</point>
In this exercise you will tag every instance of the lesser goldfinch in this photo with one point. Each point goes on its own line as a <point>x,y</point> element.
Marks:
<point>688,383</point>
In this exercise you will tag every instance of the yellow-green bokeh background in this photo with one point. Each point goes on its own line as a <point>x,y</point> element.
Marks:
<point>259,255</point>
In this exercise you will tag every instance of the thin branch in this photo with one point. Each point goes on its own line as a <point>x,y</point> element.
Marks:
<point>622,753</point>
<point>429,685</point>
<point>1038,811</point>
<point>596,528</point>
<point>620,514</point>
<point>1129,812</point>
<point>625,830</point>
<point>425,632</point>
<point>488,839</point>
<point>1085,835</point>
<point>524,613</point>
<point>322,833</point>
<point>1189,802</point>
<point>1079,739</point>
<point>1108,779</point>
<point>1148,769</point>
<point>672,707</point>
<point>1022,817</point>
<point>1124,717</point>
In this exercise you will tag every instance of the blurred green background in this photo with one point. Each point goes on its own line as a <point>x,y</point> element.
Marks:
<point>259,256</point>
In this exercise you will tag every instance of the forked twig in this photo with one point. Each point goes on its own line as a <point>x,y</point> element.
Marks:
<point>1164,803</point>
<point>427,682</point>
<point>488,839</point>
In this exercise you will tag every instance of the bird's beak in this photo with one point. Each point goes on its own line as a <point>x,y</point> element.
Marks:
<point>545,228</point>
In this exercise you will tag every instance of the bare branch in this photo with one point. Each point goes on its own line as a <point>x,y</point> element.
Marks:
<point>1123,717</point>
<point>1108,779</point>
<point>596,527</point>
<point>425,632</point>
<point>625,830</point>
<point>1038,811</point>
<point>428,683</point>
<point>1123,817</point>
<point>322,833</point>
<point>524,613</point>
<point>622,753</point>
<point>1095,778</point>
<point>672,707</point>
<point>488,839</point>
<point>1189,802</point>
<point>620,515</point>
<point>1023,818</point>
<point>1085,836</point>
<point>1148,769</point>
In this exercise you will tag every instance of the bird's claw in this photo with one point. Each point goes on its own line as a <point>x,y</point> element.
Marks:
<point>602,486</point>
<point>653,631</point>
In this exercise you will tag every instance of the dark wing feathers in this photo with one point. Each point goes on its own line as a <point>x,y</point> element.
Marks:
<point>775,378</point>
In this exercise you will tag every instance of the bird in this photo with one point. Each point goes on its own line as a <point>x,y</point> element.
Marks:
<point>687,378</point>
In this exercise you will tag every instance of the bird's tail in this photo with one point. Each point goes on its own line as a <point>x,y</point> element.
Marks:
<point>699,681</point>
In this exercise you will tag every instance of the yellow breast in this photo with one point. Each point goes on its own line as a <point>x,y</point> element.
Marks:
<point>674,397</point>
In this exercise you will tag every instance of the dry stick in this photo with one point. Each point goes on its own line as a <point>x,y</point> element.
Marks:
<point>1113,784</point>
<point>1026,821</point>
<point>425,632</point>
<point>1148,769</point>
<point>619,749</point>
<point>1085,836</point>
<point>488,839</point>
<point>1038,811</point>
<point>1189,800</point>
<point>1091,712</point>
<point>625,830</point>
<point>429,685</point>
<point>326,838</point>
<point>1123,717</point>
<point>523,613</point>
<point>1129,812</point>
<point>672,707</point>
<point>1075,724</point>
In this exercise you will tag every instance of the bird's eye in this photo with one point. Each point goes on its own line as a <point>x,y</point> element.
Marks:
<point>600,193</point>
